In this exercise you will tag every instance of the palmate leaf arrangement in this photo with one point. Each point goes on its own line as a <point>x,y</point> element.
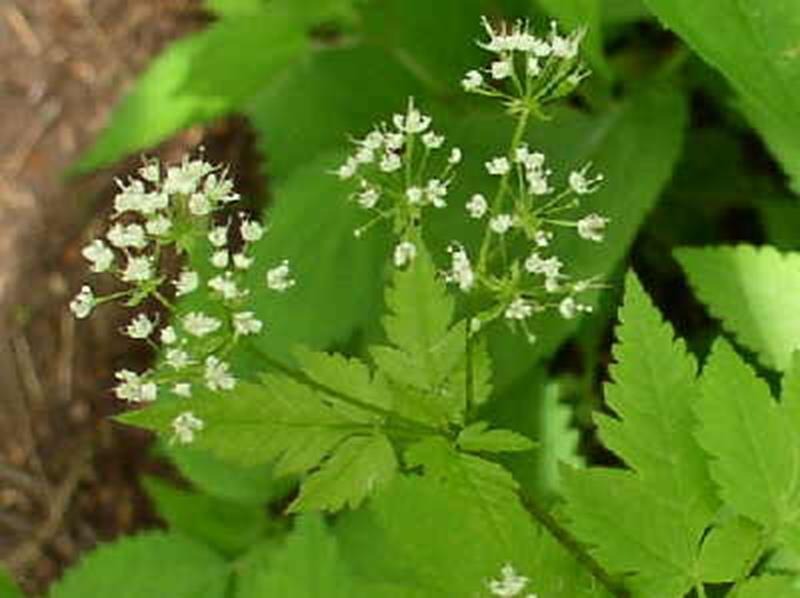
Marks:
<point>395,442</point>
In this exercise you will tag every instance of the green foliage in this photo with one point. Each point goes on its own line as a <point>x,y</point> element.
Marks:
<point>8,589</point>
<point>754,44</point>
<point>752,290</point>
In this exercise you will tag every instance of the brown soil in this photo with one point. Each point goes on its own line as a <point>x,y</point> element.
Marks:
<point>68,476</point>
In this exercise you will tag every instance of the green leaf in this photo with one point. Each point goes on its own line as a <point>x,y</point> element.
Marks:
<point>573,14</point>
<point>309,565</point>
<point>361,466</point>
<point>339,278</point>
<point>8,589</point>
<point>729,550</point>
<point>768,586</point>
<point>668,499</point>
<point>752,291</point>
<point>198,79</point>
<point>754,44</point>
<point>150,564</point>
<point>223,525</point>
<point>476,438</point>
<point>790,390</point>
<point>753,444</point>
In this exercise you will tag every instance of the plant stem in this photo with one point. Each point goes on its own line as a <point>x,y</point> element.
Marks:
<point>568,541</point>
<point>302,378</point>
<point>700,589</point>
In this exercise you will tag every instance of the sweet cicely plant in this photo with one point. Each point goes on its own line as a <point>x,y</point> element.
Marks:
<point>399,439</point>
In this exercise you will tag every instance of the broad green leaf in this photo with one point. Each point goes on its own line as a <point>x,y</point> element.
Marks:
<point>309,12</point>
<point>753,444</point>
<point>790,390</point>
<point>339,278</point>
<point>198,79</point>
<point>729,550</point>
<point>621,12</point>
<point>309,565</point>
<point>150,564</point>
<point>572,14</point>
<point>668,499</point>
<point>211,475</point>
<point>754,44</point>
<point>752,290</point>
<point>225,526</point>
<point>768,586</point>
<point>361,466</point>
<point>477,438</point>
<point>8,589</point>
<point>235,8</point>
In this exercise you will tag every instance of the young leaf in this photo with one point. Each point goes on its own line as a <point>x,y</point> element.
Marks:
<point>753,444</point>
<point>309,565</point>
<point>754,44</point>
<point>135,566</point>
<point>668,499</point>
<point>752,290</point>
<point>476,438</point>
<point>197,79</point>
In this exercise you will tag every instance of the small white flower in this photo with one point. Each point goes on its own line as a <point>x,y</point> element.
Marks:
<point>218,236</point>
<point>414,195</point>
<point>251,231</point>
<point>567,308</point>
<point>184,427</point>
<point>519,309</point>
<point>220,259</point>
<point>455,156</point>
<point>509,585</point>
<point>368,198</point>
<point>365,156</point>
<point>219,190</point>
<point>436,191</point>
<point>226,286</point>
<point>245,323</point>
<point>185,178</point>
<point>550,267</point>
<point>374,140</point>
<point>565,47</point>
<point>348,169</point>
<point>542,238</point>
<point>183,389</point>
<point>158,226</point>
<point>498,166</point>
<point>477,206</point>
<point>390,162</point>
<point>279,278</point>
<point>199,205</point>
<point>581,183</point>
<point>131,235</point>
<point>168,335</point>
<point>99,254</point>
<point>533,67</point>
<point>151,172</point>
<point>461,271</point>
<point>502,69</point>
<point>432,141</point>
<point>242,262</point>
<point>139,269</point>
<point>404,253</point>
<point>472,81</point>
<point>83,303</point>
<point>188,281</point>
<point>217,375</point>
<point>131,198</point>
<point>394,141</point>
<point>413,121</point>
<point>177,358</point>
<point>199,324</point>
<point>591,227</point>
<point>140,327</point>
<point>134,387</point>
<point>501,223</point>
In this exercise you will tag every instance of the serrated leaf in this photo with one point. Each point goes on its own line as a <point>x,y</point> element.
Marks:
<point>729,550</point>
<point>753,445</point>
<point>477,438</point>
<point>309,565</point>
<point>197,79</point>
<point>222,525</point>
<point>361,466</point>
<point>754,44</point>
<point>135,566</point>
<point>752,291</point>
<point>668,499</point>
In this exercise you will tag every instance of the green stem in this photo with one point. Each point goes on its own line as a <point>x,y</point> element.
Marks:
<point>302,378</point>
<point>700,589</point>
<point>568,541</point>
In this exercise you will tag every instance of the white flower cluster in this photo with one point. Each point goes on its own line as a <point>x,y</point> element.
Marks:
<point>540,69</point>
<point>175,209</point>
<point>391,166</point>
<point>184,427</point>
<point>509,585</point>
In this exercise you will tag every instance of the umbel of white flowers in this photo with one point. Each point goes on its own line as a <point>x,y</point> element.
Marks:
<point>172,210</point>
<point>400,173</point>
